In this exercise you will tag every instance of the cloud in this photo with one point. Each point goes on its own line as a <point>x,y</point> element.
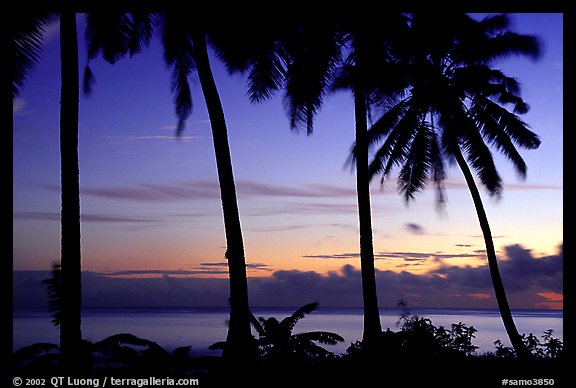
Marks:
<point>91,218</point>
<point>404,255</point>
<point>156,192</point>
<point>333,256</point>
<point>224,264</point>
<point>208,190</point>
<point>162,272</point>
<point>166,138</point>
<point>208,268</point>
<point>531,282</point>
<point>414,228</point>
<point>479,296</point>
<point>18,106</point>
<point>459,184</point>
<point>275,228</point>
<point>552,300</point>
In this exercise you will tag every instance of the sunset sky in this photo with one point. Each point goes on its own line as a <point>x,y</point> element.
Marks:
<point>151,204</point>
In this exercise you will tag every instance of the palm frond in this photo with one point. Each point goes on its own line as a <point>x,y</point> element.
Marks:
<point>257,325</point>
<point>489,40</point>
<point>311,349</point>
<point>124,339</point>
<point>387,121</point>
<point>34,350</point>
<point>27,35</point>
<point>502,129</point>
<point>396,146</point>
<point>107,33</point>
<point>290,321</point>
<point>141,29</point>
<point>422,163</point>
<point>481,160</point>
<point>323,337</point>
<point>266,76</point>
<point>496,118</point>
<point>178,54</point>
<point>114,35</point>
<point>54,288</point>
<point>312,55</point>
<point>88,80</point>
<point>510,43</point>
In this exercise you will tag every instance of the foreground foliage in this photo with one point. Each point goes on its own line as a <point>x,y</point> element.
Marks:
<point>418,352</point>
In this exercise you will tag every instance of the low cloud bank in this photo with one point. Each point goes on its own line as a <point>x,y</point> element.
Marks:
<point>531,282</point>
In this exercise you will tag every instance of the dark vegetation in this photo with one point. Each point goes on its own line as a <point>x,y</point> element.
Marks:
<point>417,351</point>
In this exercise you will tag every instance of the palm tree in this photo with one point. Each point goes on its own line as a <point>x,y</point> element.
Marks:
<point>277,339</point>
<point>368,74</point>
<point>302,58</point>
<point>71,257</point>
<point>454,108</point>
<point>27,39</point>
<point>278,342</point>
<point>185,51</point>
<point>115,35</point>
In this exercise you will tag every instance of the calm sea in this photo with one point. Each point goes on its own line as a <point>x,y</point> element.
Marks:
<point>200,327</point>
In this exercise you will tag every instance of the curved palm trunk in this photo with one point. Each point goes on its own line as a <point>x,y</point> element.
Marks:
<point>499,290</point>
<point>372,327</point>
<point>70,329</point>
<point>240,346</point>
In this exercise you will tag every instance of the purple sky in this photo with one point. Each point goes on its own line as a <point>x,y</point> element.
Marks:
<point>151,204</point>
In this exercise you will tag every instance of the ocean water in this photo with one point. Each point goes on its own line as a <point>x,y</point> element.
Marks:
<point>201,327</point>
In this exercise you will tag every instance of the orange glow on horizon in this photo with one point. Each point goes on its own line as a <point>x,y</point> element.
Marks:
<point>479,296</point>
<point>554,300</point>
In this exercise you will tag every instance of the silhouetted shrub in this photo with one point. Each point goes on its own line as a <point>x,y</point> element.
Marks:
<point>550,346</point>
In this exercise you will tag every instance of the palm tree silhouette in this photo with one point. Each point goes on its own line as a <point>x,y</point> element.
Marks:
<point>27,40</point>
<point>185,51</point>
<point>278,340</point>
<point>299,58</point>
<point>115,35</point>
<point>71,259</point>
<point>367,73</point>
<point>279,343</point>
<point>454,108</point>
<point>303,59</point>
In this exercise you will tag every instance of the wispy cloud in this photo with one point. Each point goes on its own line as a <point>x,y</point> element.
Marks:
<point>174,127</point>
<point>19,107</point>
<point>223,264</point>
<point>460,184</point>
<point>165,138</point>
<point>403,255</point>
<point>96,218</point>
<point>163,272</point>
<point>414,228</point>
<point>207,268</point>
<point>208,190</point>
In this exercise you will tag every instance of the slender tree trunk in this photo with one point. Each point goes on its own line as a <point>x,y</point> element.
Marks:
<point>499,290</point>
<point>372,327</point>
<point>70,329</point>
<point>240,347</point>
